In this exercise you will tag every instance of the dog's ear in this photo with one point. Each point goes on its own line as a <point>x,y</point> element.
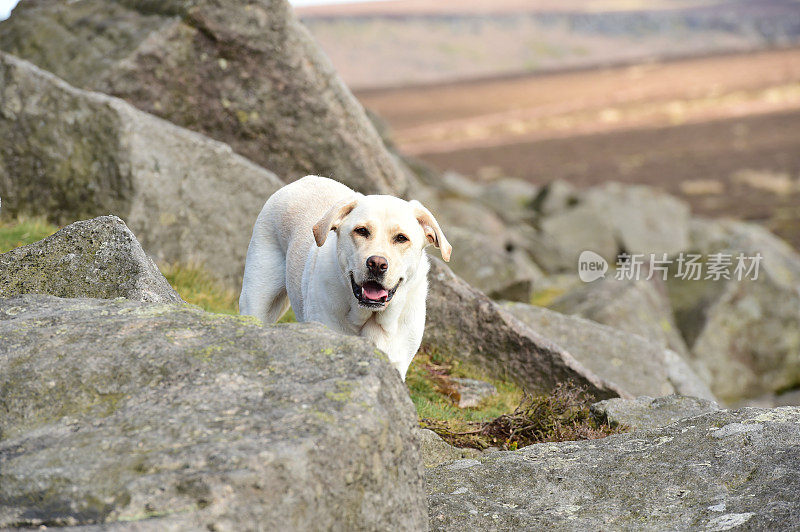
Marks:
<point>432,230</point>
<point>333,218</point>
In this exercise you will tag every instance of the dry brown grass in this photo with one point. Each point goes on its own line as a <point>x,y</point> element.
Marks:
<point>562,415</point>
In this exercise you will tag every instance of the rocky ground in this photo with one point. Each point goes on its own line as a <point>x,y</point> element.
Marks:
<point>702,473</point>
<point>126,408</point>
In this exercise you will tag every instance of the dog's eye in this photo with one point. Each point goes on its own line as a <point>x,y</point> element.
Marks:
<point>361,231</point>
<point>401,238</point>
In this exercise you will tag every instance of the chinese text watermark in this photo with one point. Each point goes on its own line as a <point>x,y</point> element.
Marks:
<point>683,266</point>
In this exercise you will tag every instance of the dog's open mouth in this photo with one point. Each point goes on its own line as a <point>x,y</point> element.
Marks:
<point>372,294</point>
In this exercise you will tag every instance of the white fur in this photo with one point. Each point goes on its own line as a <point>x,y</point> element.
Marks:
<point>304,248</point>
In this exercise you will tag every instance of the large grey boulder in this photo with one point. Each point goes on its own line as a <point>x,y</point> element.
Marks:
<point>70,154</point>
<point>780,262</point>
<point>639,307</point>
<point>642,308</point>
<point>771,400</point>
<point>466,213</point>
<point>644,219</point>
<point>607,219</point>
<point>651,413</point>
<point>563,236</point>
<point>97,258</point>
<point>746,332</point>
<point>466,324</point>
<point>455,184</point>
<point>555,196</point>
<point>435,451</point>
<point>489,254</point>
<point>497,267</point>
<point>163,417</point>
<point>750,341</point>
<point>718,471</point>
<point>243,72</point>
<point>511,198</point>
<point>634,363</point>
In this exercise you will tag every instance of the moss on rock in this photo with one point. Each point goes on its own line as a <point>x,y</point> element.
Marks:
<point>117,410</point>
<point>96,258</point>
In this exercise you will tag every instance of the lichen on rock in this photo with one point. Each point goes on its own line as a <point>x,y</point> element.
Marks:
<point>118,411</point>
<point>675,477</point>
<point>97,258</point>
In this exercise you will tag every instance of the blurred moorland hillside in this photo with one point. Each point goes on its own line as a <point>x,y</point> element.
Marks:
<point>698,98</point>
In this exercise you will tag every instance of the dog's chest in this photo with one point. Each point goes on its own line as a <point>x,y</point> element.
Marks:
<point>374,331</point>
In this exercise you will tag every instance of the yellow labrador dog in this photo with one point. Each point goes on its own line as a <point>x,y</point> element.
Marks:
<point>352,262</point>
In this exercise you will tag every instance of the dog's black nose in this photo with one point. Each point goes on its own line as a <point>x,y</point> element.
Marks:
<point>377,265</point>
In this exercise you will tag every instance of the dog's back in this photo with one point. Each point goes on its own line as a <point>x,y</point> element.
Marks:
<point>291,212</point>
<point>282,238</point>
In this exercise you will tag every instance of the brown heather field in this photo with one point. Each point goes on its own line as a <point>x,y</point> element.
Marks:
<point>722,132</point>
<point>406,42</point>
<point>449,7</point>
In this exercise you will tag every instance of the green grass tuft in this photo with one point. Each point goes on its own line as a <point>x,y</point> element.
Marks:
<point>197,287</point>
<point>193,283</point>
<point>23,231</point>
<point>289,317</point>
<point>433,394</point>
<point>545,298</point>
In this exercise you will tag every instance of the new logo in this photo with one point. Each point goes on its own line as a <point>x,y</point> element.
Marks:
<point>591,266</point>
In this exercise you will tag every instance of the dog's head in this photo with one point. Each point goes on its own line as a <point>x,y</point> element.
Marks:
<point>380,241</point>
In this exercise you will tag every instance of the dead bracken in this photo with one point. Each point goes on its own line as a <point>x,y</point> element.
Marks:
<point>563,415</point>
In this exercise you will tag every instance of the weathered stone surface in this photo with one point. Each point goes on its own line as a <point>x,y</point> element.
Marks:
<point>644,219</point>
<point>780,263</point>
<point>750,341</point>
<point>633,363</point>
<point>648,413</point>
<point>563,236</point>
<point>467,214</point>
<point>511,198</point>
<point>746,332</point>
<point>498,268</point>
<point>550,287</point>
<point>607,219</point>
<point>691,299</point>
<point>554,197</point>
<point>70,154</point>
<point>459,185</point>
<point>436,451</point>
<point>97,258</point>
<point>464,323</point>
<point>712,472</point>
<point>176,419</point>
<point>639,307</point>
<point>246,73</point>
<point>489,254</point>
<point>471,391</point>
<point>771,400</point>
<point>682,370</point>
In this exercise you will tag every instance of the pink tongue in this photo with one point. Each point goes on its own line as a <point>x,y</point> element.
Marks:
<point>374,292</point>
